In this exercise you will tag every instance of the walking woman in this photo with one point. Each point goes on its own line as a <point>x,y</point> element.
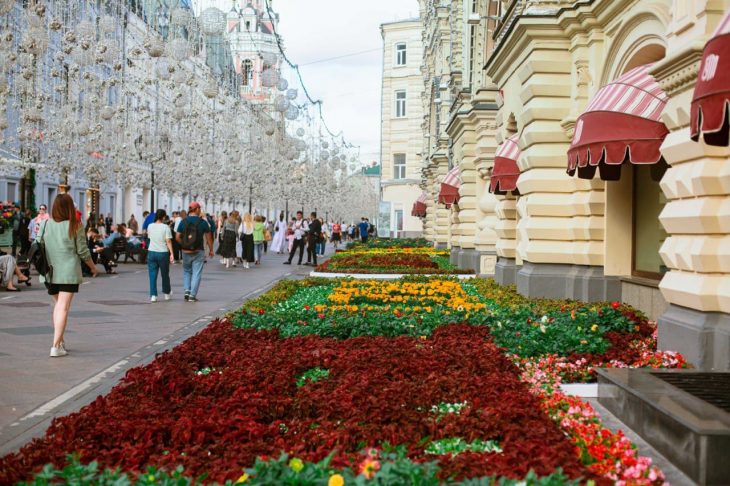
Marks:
<point>160,255</point>
<point>228,240</point>
<point>258,238</point>
<point>222,218</point>
<point>65,244</point>
<point>247,240</point>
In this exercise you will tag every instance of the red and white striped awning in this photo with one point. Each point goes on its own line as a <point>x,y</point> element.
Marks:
<point>710,113</point>
<point>419,207</point>
<point>622,123</point>
<point>449,193</point>
<point>506,172</point>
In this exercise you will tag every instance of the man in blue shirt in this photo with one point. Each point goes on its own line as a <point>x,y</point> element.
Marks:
<point>364,226</point>
<point>194,250</point>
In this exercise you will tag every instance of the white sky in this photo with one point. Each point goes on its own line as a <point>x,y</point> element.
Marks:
<point>349,87</point>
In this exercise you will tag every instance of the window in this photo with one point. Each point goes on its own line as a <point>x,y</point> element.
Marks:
<point>400,54</point>
<point>50,196</point>
<point>12,192</point>
<point>398,222</point>
<point>400,104</point>
<point>247,72</point>
<point>648,200</point>
<point>399,166</point>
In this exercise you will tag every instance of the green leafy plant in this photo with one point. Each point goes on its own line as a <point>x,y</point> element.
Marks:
<point>457,445</point>
<point>312,376</point>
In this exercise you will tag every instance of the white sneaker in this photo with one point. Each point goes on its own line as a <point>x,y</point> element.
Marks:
<point>168,296</point>
<point>57,352</point>
<point>153,298</point>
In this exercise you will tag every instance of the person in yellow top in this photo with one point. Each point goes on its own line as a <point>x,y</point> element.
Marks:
<point>65,242</point>
<point>258,238</point>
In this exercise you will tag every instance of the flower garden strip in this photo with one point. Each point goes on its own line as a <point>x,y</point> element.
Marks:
<point>391,257</point>
<point>462,378</point>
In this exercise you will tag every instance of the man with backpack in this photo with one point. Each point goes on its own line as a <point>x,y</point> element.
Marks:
<point>193,233</point>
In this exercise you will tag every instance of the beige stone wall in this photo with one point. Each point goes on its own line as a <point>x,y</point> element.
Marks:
<point>402,135</point>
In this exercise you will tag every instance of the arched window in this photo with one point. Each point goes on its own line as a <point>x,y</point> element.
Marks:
<point>247,72</point>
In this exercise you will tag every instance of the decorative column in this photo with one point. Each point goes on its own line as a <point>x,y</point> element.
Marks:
<point>697,214</point>
<point>440,164</point>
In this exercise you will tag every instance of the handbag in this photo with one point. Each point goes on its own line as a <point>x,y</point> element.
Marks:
<point>38,257</point>
<point>267,235</point>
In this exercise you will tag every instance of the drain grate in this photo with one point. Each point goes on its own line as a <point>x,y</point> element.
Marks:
<point>713,388</point>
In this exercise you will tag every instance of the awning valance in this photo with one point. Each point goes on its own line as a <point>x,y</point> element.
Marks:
<point>419,207</point>
<point>622,123</point>
<point>449,193</point>
<point>709,113</point>
<point>506,172</point>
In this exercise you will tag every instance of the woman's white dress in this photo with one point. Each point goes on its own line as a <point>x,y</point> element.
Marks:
<point>278,244</point>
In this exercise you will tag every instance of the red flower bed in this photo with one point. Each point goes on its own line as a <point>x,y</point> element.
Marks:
<point>377,389</point>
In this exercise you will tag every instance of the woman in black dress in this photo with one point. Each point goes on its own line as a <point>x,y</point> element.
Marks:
<point>229,233</point>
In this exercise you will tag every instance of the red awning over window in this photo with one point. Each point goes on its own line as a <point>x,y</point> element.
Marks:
<point>506,172</point>
<point>709,116</point>
<point>419,207</point>
<point>449,193</point>
<point>622,123</point>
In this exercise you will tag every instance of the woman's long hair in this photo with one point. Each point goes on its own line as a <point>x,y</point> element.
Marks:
<point>64,210</point>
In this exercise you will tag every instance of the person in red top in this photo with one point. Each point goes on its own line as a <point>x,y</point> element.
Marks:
<point>336,234</point>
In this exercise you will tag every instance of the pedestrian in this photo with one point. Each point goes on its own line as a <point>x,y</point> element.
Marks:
<point>8,268</point>
<point>313,235</point>
<point>268,236</point>
<point>299,229</point>
<point>337,234</point>
<point>247,243</point>
<point>24,233</point>
<point>290,234</point>
<point>193,234</point>
<point>108,223</point>
<point>133,225</point>
<point>159,255</point>
<point>220,222</point>
<point>99,253</point>
<point>279,241</point>
<point>323,237</point>
<point>65,244</point>
<point>15,221</point>
<point>259,238</point>
<point>363,227</point>
<point>228,240</point>
<point>36,222</point>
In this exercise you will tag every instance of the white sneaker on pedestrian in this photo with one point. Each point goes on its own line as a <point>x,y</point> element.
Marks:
<point>57,352</point>
<point>153,298</point>
<point>168,296</point>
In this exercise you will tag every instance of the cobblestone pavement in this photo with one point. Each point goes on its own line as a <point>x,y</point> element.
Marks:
<point>112,328</point>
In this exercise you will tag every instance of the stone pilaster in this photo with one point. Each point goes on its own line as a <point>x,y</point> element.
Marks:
<point>697,213</point>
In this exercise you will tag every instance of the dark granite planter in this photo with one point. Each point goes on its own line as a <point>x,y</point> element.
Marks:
<point>692,433</point>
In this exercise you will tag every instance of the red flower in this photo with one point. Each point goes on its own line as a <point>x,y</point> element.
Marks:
<point>369,467</point>
<point>306,307</point>
<point>615,304</point>
<point>320,315</point>
<point>261,312</point>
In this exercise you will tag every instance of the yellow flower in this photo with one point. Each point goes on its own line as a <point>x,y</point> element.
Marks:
<point>296,465</point>
<point>336,480</point>
<point>242,479</point>
<point>150,477</point>
<point>594,327</point>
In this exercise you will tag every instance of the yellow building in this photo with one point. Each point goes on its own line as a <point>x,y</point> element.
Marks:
<point>401,127</point>
<point>576,114</point>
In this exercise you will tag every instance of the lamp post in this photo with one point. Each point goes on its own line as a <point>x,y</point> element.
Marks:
<point>165,145</point>
<point>250,196</point>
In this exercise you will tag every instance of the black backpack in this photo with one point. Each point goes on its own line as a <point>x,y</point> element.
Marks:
<point>190,236</point>
<point>38,258</point>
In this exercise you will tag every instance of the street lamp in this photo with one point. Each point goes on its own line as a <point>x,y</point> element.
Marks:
<point>250,196</point>
<point>165,145</point>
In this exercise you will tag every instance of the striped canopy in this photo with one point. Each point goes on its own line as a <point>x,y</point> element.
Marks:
<point>506,172</point>
<point>710,113</point>
<point>622,123</point>
<point>449,193</point>
<point>419,207</point>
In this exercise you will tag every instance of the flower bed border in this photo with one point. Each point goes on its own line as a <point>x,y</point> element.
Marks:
<point>389,276</point>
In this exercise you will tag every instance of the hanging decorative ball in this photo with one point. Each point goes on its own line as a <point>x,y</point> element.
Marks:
<point>108,24</point>
<point>180,17</point>
<point>181,75</point>
<point>213,21</point>
<point>292,94</point>
<point>164,69</point>
<point>107,112</point>
<point>300,132</point>
<point>334,164</point>
<point>269,78</point>
<point>36,41</point>
<point>210,90</point>
<point>282,85</point>
<point>324,155</point>
<point>325,144</point>
<point>335,149</point>
<point>179,49</point>
<point>281,104</point>
<point>292,113</point>
<point>86,29</point>
<point>112,54</point>
<point>270,130</point>
<point>6,6</point>
<point>269,58</point>
<point>155,45</point>
<point>82,129</point>
<point>82,57</point>
<point>55,25</point>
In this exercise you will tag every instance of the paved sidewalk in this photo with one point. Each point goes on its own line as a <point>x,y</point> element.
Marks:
<point>112,328</point>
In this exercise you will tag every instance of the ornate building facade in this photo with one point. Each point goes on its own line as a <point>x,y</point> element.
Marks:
<point>402,114</point>
<point>567,124</point>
